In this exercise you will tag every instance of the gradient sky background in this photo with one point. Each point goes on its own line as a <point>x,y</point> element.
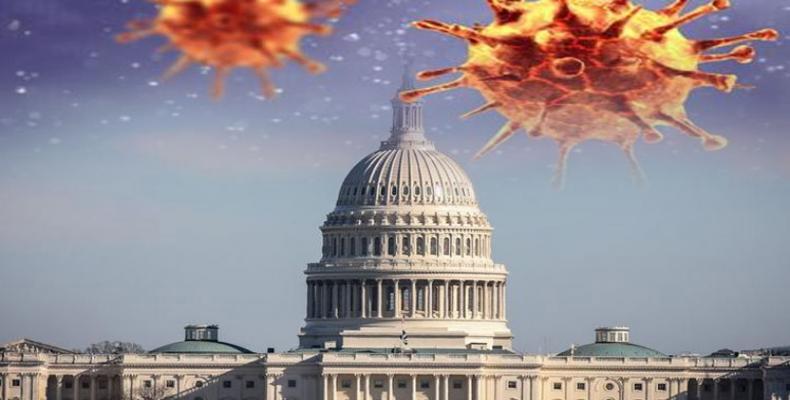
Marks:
<point>131,207</point>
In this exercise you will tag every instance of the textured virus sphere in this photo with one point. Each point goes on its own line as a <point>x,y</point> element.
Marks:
<point>577,70</point>
<point>227,34</point>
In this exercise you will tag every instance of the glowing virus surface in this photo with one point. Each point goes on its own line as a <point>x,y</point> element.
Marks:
<point>227,34</point>
<point>577,70</point>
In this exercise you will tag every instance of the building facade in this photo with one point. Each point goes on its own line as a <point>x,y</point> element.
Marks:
<point>405,303</point>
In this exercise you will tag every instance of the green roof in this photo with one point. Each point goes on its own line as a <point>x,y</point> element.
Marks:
<point>201,347</point>
<point>612,350</point>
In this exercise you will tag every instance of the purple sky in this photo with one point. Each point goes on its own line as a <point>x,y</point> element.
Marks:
<point>130,207</point>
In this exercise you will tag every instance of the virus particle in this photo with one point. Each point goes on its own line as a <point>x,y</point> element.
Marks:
<point>227,34</point>
<point>578,70</point>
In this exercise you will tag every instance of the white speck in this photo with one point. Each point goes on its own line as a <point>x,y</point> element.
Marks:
<point>135,65</point>
<point>125,118</point>
<point>14,25</point>
<point>351,37</point>
<point>21,90</point>
<point>54,141</point>
<point>153,83</point>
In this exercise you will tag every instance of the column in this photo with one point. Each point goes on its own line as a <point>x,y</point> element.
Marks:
<point>700,383</point>
<point>716,389</point>
<point>451,303</point>
<point>22,383</point>
<point>733,381</point>
<point>474,300</point>
<point>379,294</point>
<point>390,395</point>
<point>469,387</point>
<point>497,383</point>
<point>436,386</point>
<point>75,388</point>
<point>363,299</point>
<point>443,299</point>
<point>325,387</point>
<point>503,300</point>
<point>58,387</point>
<point>358,387</point>
<point>413,298</point>
<point>648,388</point>
<point>524,392</point>
<point>178,385</point>
<point>446,388</point>
<point>590,383</point>
<point>462,300</point>
<point>413,380</point>
<point>479,379</point>
<point>566,382</point>
<point>4,383</point>
<point>334,387</point>
<point>429,301</point>
<point>397,298</point>
<point>750,389</point>
<point>347,306</point>
<point>335,297</point>
<point>93,386</point>
<point>683,389</point>
<point>325,297</point>
<point>366,392</point>
<point>309,305</point>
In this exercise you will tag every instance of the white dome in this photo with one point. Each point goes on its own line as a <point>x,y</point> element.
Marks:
<point>406,173</point>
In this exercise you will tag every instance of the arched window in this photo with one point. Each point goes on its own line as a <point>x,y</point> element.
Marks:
<point>421,299</point>
<point>364,246</point>
<point>342,246</point>
<point>468,247</point>
<point>416,190</point>
<point>420,246</point>
<point>391,245</point>
<point>352,246</point>
<point>394,190</point>
<point>390,299</point>
<point>428,190</point>
<point>477,247</point>
<point>458,246</point>
<point>334,247</point>
<point>405,190</point>
<point>406,245</point>
<point>434,246</point>
<point>377,246</point>
<point>446,246</point>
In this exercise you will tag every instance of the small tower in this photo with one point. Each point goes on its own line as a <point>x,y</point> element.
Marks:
<point>207,333</point>
<point>407,123</point>
<point>613,334</point>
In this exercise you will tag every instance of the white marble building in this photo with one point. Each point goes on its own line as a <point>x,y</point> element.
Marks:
<point>406,303</point>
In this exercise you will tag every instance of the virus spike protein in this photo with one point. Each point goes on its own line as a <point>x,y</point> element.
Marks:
<point>228,34</point>
<point>578,70</point>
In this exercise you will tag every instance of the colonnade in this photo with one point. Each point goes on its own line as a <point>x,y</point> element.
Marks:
<point>408,244</point>
<point>729,388</point>
<point>406,298</point>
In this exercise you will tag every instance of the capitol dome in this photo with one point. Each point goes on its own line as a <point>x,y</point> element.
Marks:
<point>406,255</point>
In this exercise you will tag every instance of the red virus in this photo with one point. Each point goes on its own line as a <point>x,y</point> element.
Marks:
<point>578,70</point>
<point>227,34</point>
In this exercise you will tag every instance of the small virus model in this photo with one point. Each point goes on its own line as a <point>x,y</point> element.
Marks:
<point>577,70</point>
<point>227,34</point>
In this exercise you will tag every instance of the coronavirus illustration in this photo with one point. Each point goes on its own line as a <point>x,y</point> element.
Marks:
<point>578,70</point>
<point>227,34</point>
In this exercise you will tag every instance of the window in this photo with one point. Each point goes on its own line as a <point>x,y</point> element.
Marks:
<point>250,384</point>
<point>434,246</point>
<point>342,246</point>
<point>227,384</point>
<point>364,246</point>
<point>477,247</point>
<point>580,386</point>
<point>391,246</point>
<point>458,246</point>
<point>401,384</point>
<point>198,398</point>
<point>352,246</point>
<point>420,246</point>
<point>170,383</point>
<point>345,384</point>
<point>199,384</point>
<point>394,190</point>
<point>292,383</point>
<point>424,384</point>
<point>86,384</point>
<point>662,387</point>
<point>334,247</point>
<point>146,383</point>
<point>557,386</point>
<point>468,247</point>
<point>609,386</point>
<point>377,246</point>
<point>405,247</point>
<point>458,385</point>
<point>638,387</point>
<point>446,246</point>
<point>378,384</point>
<point>67,385</point>
<point>15,382</point>
<point>512,384</point>
<point>706,387</point>
<point>102,384</point>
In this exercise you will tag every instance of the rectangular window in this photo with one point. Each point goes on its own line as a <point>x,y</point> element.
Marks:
<point>102,384</point>
<point>580,386</point>
<point>458,385</point>
<point>557,386</point>
<point>345,384</point>
<point>662,387</point>
<point>401,384</point>
<point>352,246</point>
<point>170,383</point>
<point>378,384</point>
<point>363,248</point>
<point>292,383</point>
<point>638,387</point>
<point>250,384</point>
<point>512,384</point>
<point>86,385</point>
<point>66,385</point>
<point>15,382</point>
<point>147,383</point>
<point>227,384</point>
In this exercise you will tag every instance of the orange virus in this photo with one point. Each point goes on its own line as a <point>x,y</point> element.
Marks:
<point>577,70</point>
<point>227,34</point>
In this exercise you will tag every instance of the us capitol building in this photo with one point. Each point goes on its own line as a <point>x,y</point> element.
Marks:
<point>405,303</point>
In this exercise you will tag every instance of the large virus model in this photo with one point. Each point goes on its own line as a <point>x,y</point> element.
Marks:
<point>227,34</point>
<point>577,70</point>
